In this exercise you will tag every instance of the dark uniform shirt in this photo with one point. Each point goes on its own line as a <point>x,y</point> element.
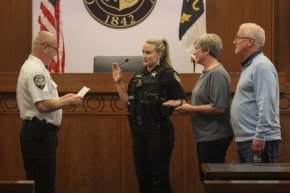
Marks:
<point>148,90</point>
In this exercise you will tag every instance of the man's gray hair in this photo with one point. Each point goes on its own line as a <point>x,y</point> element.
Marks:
<point>256,32</point>
<point>41,38</point>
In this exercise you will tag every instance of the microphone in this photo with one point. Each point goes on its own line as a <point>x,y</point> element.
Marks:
<point>126,60</point>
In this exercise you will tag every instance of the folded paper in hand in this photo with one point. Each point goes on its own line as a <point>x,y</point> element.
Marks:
<point>83,91</point>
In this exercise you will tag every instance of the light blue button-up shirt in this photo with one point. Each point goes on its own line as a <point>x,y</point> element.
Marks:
<point>255,106</point>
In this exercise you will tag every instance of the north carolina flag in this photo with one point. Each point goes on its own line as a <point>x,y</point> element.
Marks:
<point>192,23</point>
<point>50,20</point>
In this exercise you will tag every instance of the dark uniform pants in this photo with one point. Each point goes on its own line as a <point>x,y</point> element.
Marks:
<point>152,147</point>
<point>38,146</point>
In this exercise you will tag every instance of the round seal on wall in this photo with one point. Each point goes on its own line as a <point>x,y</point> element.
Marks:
<point>119,13</point>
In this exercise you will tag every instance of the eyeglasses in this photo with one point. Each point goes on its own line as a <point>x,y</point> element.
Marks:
<point>48,45</point>
<point>243,38</point>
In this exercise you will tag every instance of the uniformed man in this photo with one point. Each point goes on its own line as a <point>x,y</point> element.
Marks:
<point>151,127</point>
<point>41,110</point>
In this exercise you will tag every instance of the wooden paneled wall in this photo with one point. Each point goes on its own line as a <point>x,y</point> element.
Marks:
<point>15,33</point>
<point>224,18</point>
<point>282,38</point>
<point>94,152</point>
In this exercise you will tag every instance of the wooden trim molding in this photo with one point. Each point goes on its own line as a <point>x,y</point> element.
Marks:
<point>103,97</point>
<point>103,82</point>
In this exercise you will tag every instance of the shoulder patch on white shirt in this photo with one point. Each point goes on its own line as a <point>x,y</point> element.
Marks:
<point>39,81</point>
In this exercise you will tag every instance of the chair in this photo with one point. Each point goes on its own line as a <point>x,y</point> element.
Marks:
<point>104,63</point>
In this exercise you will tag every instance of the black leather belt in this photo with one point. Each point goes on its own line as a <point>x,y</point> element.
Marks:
<point>139,120</point>
<point>41,123</point>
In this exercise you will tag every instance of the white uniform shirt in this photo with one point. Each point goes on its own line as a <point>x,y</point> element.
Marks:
<point>35,84</point>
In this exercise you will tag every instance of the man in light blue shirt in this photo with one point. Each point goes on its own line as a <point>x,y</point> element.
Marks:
<point>255,106</point>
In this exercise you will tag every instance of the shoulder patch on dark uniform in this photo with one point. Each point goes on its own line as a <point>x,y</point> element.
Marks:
<point>39,81</point>
<point>176,77</point>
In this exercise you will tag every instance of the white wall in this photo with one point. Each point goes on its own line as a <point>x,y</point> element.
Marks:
<point>85,38</point>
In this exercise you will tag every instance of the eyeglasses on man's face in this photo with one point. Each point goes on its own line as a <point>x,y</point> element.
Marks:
<point>48,45</point>
<point>243,38</point>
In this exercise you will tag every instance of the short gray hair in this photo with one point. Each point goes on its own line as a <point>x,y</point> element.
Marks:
<point>256,32</point>
<point>211,43</point>
<point>41,37</point>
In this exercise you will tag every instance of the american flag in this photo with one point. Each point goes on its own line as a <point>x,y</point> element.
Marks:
<point>50,20</point>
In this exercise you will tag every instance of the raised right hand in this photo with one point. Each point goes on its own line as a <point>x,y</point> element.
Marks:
<point>116,72</point>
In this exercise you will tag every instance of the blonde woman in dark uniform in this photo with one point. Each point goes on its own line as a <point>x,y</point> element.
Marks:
<point>151,127</point>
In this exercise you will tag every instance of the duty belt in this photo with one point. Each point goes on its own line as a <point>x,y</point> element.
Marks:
<point>41,123</point>
<point>139,120</point>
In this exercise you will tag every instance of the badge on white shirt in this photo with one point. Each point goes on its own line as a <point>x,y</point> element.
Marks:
<point>39,81</point>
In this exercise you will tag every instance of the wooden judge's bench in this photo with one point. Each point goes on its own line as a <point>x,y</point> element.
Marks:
<point>94,153</point>
<point>247,178</point>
